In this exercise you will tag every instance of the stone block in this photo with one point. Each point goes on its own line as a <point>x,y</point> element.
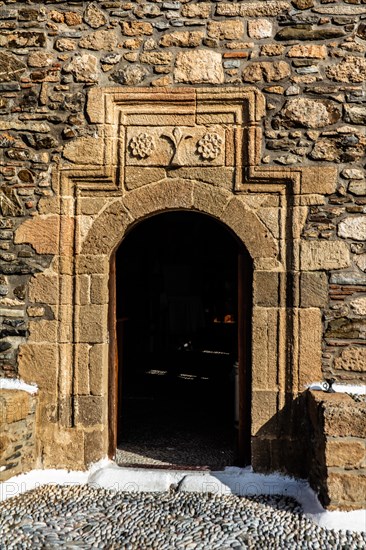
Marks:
<point>41,232</point>
<point>310,346</point>
<point>250,229</point>
<point>98,240</point>
<point>92,263</point>
<point>81,368</point>
<point>98,368</point>
<point>15,405</point>
<point>260,29</point>
<point>42,331</point>
<point>318,255</point>
<point>137,177</point>
<point>85,150</point>
<point>347,420</point>
<point>43,288</point>
<point>225,30</point>
<point>253,9</point>
<point>347,489</point>
<point>90,410</point>
<point>62,448</point>
<point>347,453</point>
<point>315,179</point>
<point>82,291</point>
<point>95,446</point>
<point>261,454</point>
<point>353,227</point>
<point>99,291</point>
<point>267,350</point>
<point>198,67</point>
<point>265,413</point>
<point>352,358</point>
<point>92,323</point>
<point>313,289</point>
<point>210,200</point>
<point>38,363</point>
<point>165,195</point>
<point>266,288</point>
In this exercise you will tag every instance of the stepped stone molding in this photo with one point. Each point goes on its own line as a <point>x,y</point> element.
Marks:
<point>154,151</point>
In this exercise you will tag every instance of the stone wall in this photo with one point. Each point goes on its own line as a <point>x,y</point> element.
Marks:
<point>306,57</point>
<point>17,424</point>
<point>338,467</point>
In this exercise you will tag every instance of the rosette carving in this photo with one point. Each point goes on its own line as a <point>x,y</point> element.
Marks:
<point>142,145</point>
<point>209,146</point>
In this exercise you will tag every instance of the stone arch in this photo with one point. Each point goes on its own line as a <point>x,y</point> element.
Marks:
<point>174,194</point>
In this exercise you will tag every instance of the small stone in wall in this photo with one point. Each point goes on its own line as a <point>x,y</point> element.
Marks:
<point>34,311</point>
<point>353,227</point>
<point>72,18</point>
<point>303,4</point>
<point>182,39</point>
<point>94,17</point>
<point>350,69</point>
<point>358,306</point>
<point>136,28</point>
<point>40,59</point>
<point>225,30</point>
<point>357,187</point>
<point>156,58</point>
<point>311,113</point>
<point>260,28</point>
<point>352,174</point>
<point>310,51</point>
<point>360,261</point>
<point>355,114</point>
<point>130,75</point>
<point>201,10</point>
<point>345,328</point>
<point>325,149</point>
<point>100,40</point>
<point>11,68</point>
<point>352,359</point>
<point>199,66</point>
<point>271,50</point>
<point>266,71</point>
<point>65,45</point>
<point>84,68</point>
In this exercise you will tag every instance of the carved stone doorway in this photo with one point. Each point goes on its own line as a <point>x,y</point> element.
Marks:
<point>183,300</point>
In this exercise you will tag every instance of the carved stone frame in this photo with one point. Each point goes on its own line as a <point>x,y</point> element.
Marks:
<point>97,200</point>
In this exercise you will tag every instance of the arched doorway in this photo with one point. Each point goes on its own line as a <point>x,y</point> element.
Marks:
<point>183,295</point>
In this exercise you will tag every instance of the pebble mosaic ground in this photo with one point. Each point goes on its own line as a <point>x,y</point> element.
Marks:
<point>86,517</point>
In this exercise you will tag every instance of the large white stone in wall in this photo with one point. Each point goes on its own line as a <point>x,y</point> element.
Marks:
<point>353,227</point>
<point>199,66</point>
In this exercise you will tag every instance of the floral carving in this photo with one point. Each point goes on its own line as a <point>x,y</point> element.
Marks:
<point>142,145</point>
<point>209,146</point>
<point>177,137</point>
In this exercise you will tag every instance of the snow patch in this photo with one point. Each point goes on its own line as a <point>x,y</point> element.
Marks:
<point>348,388</point>
<point>16,384</point>
<point>238,481</point>
<point>339,388</point>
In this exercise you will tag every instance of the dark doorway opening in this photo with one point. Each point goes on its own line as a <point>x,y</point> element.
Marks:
<point>182,306</point>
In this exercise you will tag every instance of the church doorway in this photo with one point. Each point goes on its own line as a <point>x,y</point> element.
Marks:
<point>182,308</point>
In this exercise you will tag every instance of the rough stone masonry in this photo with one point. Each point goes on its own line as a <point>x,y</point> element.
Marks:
<point>306,58</point>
